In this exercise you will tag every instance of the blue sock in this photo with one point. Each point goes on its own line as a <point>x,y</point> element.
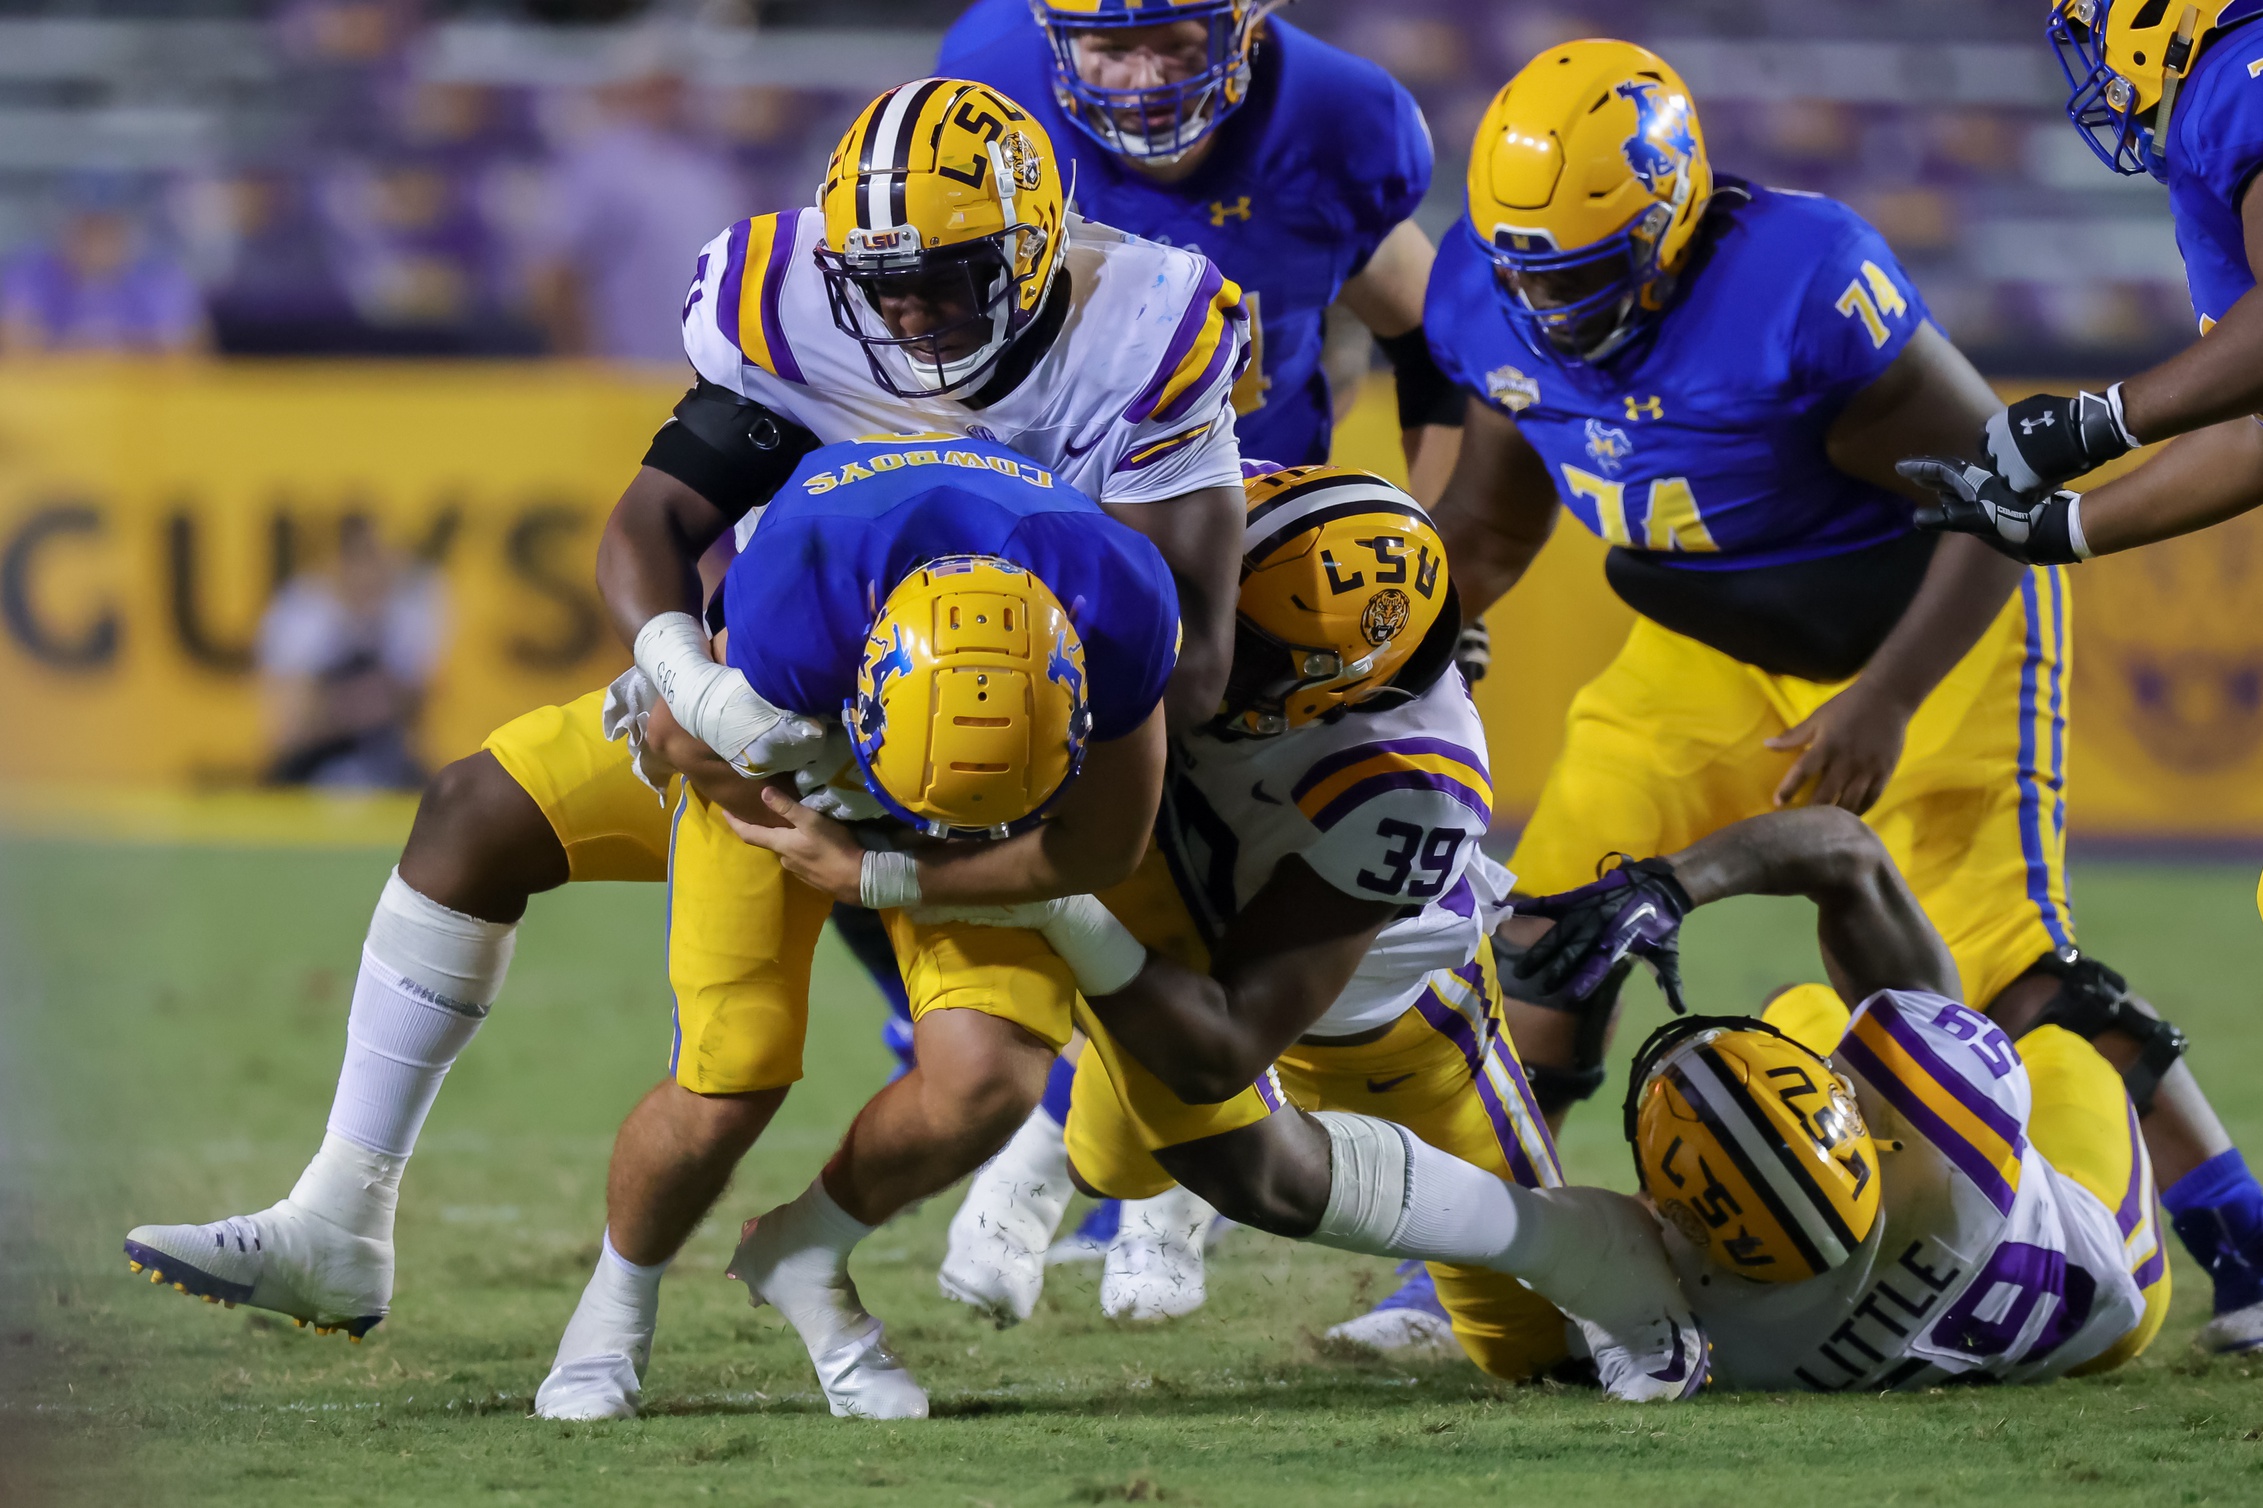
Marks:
<point>1102,1221</point>
<point>1417,1292</point>
<point>2217,1209</point>
<point>1057,1085</point>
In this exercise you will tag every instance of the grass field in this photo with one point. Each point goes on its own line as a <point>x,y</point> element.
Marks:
<point>172,1022</point>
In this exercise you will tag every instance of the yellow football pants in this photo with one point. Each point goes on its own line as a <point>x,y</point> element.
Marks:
<point>1440,1070</point>
<point>2080,1119</point>
<point>741,931</point>
<point>1666,746</point>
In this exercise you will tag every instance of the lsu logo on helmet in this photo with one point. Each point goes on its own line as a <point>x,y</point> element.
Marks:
<point>1752,1147</point>
<point>1345,600</point>
<point>970,716</point>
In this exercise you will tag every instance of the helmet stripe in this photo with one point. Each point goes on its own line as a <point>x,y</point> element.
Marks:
<point>1828,1228</point>
<point>1745,1134</point>
<point>1286,513</point>
<point>886,153</point>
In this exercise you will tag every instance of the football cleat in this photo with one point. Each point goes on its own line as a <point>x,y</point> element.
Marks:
<point>602,1386</point>
<point>1154,1267</point>
<point>1647,1343</point>
<point>1094,1234</point>
<point>282,1259</point>
<point>996,1261</point>
<point>861,1376</point>
<point>2233,1331</point>
<point>1411,1322</point>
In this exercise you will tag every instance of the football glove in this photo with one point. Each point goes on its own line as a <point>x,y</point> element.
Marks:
<point>1974,500</point>
<point>2042,441</point>
<point>1636,910</point>
<point>1473,652</point>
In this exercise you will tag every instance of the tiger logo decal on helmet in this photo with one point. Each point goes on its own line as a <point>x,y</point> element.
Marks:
<point>945,198</point>
<point>1587,181</point>
<point>1753,1147</point>
<point>970,716</point>
<point>1162,122</point>
<point>2125,60</point>
<point>1345,600</point>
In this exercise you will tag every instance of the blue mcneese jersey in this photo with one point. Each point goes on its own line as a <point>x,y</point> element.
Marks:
<point>2215,148</point>
<point>858,517</point>
<point>1322,160</point>
<point>1705,441</point>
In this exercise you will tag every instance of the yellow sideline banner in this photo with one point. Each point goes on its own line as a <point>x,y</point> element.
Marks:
<point>147,511</point>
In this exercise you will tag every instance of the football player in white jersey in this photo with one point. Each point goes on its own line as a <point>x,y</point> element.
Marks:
<point>1887,1201</point>
<point>941,285</point>
<point>1318,861</point>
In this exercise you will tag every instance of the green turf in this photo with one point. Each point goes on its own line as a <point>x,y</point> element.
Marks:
<point>172,1024</point>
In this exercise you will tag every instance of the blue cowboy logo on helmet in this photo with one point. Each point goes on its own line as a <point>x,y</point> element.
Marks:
<point>1663,142</point>
<point>868,715</point>
<point>1059,667</point>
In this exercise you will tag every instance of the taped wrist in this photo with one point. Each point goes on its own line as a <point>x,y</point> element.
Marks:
<point>671,650</point>
<point>2115,421</point>
<point>733,452</point>
<point>1098,949</point>
<point>2092,1000</point>
<point>2075,541</point>
<point>887,880</point>
<point>1426,394</point>
<point>1367,1182</point>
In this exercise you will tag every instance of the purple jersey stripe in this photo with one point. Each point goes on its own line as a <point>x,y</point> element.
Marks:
<point>2149,1271</point>
<point>1323,768</point>
<point>1954,1147</point>
<point>1182,341</point>
<point>2132,1209</point>
<point>1269,1090</point>
<point>1533,1117</point>
<point>1461,900</point>
<point>1984,1110</point>
<point>1181,406</point>
<point>773,286</point>
<point>728,287</point>
<point>1505,1133</point>
<point>1455,1028</point>
<point>1362,791</point>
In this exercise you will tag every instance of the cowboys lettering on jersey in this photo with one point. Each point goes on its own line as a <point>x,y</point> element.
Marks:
<point>1324,156</point>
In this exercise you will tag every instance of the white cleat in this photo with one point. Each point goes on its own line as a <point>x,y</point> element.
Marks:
<point>282,1259</point>
<point>861,1376</point>
<point>1646,1340</point>
<point>1399,1332</point>
<point>996,1261</point>
<point>2232,1332</point>
<point>1154,1266</point>
<point>605,1386</point>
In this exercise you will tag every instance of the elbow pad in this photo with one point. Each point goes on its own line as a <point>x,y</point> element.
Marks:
<point>1426,394</point>
<point>730,450</point>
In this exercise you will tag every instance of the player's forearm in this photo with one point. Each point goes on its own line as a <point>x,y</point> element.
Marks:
<point>648,557</point>
<point>1182,1027</point>
<point>2195,480</point>
<point>2218,377</point>
<point>1963,590</point>
<point>1489,546</point>
<point>1875,935</point>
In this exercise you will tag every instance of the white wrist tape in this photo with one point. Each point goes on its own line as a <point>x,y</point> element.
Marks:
<point>2121,424</point>
<point>1098,949</point>
<point>888,880</point>
<point>2080,545</point>
<point>671,649</point>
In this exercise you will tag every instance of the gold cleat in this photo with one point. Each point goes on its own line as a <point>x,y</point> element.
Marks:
<point>300,1323</point>
<point>354,1340</point>
<point>180,1288</point>
<point>136,1266</point>
<point>155,1276</point>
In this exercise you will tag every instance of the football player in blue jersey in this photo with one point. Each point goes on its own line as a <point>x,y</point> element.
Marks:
<point>2175,91</point>
<point>1292,165</point>
<point>1718,379</point>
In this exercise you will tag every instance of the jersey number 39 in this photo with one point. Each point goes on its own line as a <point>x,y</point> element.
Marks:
<point>1431,850</point>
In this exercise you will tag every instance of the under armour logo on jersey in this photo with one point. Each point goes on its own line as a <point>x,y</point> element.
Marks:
<point>1220,211</point>
<point>2029,426</point>
<point>1608,446</point>
<point>1652,407</point>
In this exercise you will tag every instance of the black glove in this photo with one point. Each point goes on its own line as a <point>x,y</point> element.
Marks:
<point>1975,500</point>
<point>2042,441</point>
<point>1473,652</point>
<point>1636,909</point>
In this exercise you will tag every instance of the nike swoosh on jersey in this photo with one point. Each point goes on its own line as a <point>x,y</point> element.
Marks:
<point>1385,1086</point>
<point>1257,793</point>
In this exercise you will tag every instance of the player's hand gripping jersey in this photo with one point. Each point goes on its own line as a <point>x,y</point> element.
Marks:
<point>1985,1259</point>
<point>1315,166</point>
<point>1122,387</point>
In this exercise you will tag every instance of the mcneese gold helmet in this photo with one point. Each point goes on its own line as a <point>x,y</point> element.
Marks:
<point>1587,181</point>
<point>970,716</point>
<point>1752,1147</point>
<point>1344,581</point>
<point>2124,61</point>
<point>948,193</point>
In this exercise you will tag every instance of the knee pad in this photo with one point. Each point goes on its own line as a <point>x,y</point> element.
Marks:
<point>2093,999</point>
<point>1558,1089</point>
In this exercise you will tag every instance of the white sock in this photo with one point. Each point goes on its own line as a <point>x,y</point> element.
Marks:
<point>1393,1195</point>
<point>351,1186</point>
<point>814,1239</point>
<point>428,976</point>
<point>618,1311</point>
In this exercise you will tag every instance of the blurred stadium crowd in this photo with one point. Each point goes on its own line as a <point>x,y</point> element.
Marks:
<point>358,177</point>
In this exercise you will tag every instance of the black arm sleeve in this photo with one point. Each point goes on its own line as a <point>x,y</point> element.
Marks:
<point>733,452</point>
<point>1426,394</point>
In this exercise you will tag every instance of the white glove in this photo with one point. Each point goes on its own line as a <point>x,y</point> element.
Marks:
<point>828,788</point>
<point>625,713</point>
<point>715,703</point>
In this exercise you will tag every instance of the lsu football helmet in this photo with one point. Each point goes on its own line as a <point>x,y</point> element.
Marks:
<point>1587,181</point>
<point>1156,123</point>
<point>945,196</point>
<point>1752,1147</point>
<point>970,715</point>
<point>1345,600</point>
<point>2124,61</point>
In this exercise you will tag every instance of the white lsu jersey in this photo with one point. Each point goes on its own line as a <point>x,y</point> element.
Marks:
<point>1387,805</point>
<point>1985,1260</point>
<point>1130,403</point>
